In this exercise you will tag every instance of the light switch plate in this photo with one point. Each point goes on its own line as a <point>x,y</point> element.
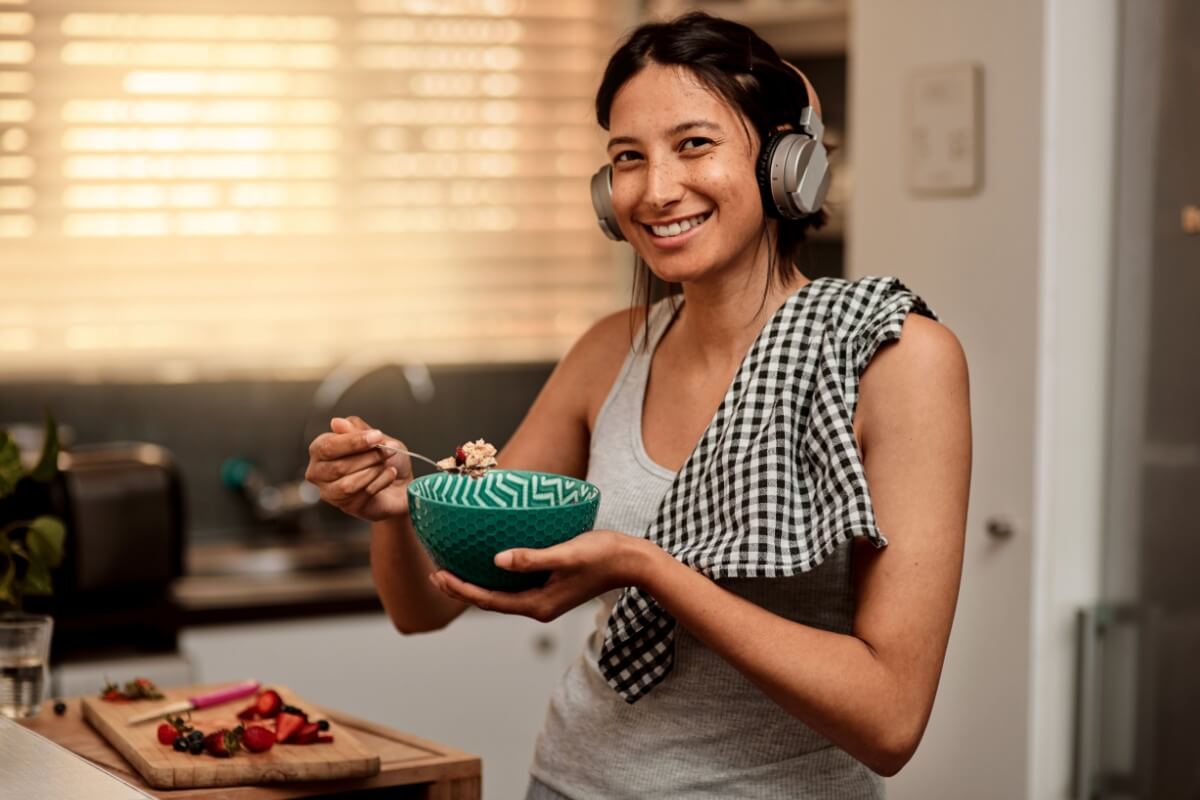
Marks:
<point>945,132</point>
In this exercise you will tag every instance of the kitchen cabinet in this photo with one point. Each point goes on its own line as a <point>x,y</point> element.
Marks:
<point>481,685</point>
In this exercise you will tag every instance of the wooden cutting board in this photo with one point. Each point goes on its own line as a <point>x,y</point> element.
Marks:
<point>164,768</point>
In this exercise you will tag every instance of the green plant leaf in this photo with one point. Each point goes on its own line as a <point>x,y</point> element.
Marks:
<point>37,579</point>
<point>45,541</point>
<point>8,593</point>
<point>47,466</point>
<point>10,464</point>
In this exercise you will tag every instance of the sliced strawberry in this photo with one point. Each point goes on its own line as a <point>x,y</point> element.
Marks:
<point>325,738</point>
<point>268,703</point>
<point>258,739</point>
<point>308,733</point>
<point>249,712</point>
<point>287,724</point>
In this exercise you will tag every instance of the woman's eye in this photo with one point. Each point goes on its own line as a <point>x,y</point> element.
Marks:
<point>624,155</point>
<point>694,142</point>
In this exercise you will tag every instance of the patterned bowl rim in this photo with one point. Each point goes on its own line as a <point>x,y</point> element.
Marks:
<point>506,509</point>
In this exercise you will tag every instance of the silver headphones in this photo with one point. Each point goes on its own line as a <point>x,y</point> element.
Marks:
<point>792,171</point>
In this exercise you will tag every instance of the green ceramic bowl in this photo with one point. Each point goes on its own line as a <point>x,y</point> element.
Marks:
<point>464,522</point>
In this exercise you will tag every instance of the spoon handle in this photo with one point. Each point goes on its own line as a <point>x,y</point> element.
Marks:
<point>387,448</point>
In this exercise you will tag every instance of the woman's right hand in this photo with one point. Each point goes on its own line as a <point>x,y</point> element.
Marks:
<point>356,477</point>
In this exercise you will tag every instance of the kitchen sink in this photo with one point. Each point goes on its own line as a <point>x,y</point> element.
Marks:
<point>279,557</point>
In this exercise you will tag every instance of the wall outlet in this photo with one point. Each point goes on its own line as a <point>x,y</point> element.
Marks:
<point>945,132</point>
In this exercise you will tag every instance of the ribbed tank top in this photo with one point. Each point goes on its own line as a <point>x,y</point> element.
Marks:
<point>706,731</point>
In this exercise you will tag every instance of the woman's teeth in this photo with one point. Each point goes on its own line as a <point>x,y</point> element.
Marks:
<point>676,228</point>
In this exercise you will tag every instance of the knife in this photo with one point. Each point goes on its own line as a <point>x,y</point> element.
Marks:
<point>201,701</point>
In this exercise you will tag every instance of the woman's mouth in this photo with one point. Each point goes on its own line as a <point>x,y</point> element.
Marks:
<point>677,228</point>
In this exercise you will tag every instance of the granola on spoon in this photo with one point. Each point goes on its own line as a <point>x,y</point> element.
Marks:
<point>472,458</point>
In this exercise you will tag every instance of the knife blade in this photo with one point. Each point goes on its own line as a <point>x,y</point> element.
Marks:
<point>213,698</point>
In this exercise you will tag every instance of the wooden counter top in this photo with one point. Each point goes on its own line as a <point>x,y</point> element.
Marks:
<point>410,767</point>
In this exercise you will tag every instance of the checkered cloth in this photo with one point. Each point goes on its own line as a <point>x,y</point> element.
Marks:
<point>775,483</point>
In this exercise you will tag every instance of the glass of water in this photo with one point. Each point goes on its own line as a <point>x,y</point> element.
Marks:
<point>24,651</point>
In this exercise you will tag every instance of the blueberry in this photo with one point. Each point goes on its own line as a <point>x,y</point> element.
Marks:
<point>195,736</point>
<point>292,710</point>
<point>180,744</point>
<point>322,724</point>
<point>60,708</point>
<point>196,747</point>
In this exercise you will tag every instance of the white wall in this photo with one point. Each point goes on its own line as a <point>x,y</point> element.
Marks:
<point>1019,270</point>
<point>974,259</point>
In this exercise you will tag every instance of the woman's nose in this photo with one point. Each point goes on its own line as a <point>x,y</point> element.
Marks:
<point>664,185</point>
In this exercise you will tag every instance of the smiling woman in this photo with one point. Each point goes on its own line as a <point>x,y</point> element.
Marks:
<point>783,466</point>
<point>761,111</point>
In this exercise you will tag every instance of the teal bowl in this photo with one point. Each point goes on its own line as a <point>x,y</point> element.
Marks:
<point>464,522</point>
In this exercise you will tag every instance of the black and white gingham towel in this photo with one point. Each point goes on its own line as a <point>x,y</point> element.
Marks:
<point>775,483</point>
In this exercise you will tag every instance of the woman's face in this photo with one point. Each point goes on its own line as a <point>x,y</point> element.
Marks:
<point>684,189</point>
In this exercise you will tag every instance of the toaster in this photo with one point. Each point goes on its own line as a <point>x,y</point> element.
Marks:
<point>124,511</point>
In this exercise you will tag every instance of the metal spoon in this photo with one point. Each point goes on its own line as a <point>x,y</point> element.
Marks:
<point>387,448</point>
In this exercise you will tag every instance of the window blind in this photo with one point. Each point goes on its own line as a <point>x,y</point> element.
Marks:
<point>206,188</point>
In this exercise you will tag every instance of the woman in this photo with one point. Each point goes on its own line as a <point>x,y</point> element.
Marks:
<point>795,660</point>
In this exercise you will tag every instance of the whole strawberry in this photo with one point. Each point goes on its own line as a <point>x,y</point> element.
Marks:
<point>173,728</point>
<point>167,733</point>
<point>224,743</point>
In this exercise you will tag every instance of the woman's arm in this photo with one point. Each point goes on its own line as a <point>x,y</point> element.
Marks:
<point>869,692</point>
<point>553,437</point>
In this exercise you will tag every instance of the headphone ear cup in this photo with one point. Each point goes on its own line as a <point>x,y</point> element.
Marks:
<point>762,171</point>
<point>793,175</point>
<point>602,204</point>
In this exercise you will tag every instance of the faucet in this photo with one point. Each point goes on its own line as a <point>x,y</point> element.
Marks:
<point>280,502</point>
<point>348,374</point>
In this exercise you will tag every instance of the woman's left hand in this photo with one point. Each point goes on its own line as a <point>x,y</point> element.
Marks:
<point>580,569</point>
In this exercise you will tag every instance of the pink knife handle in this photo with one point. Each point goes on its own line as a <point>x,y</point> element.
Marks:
<point>224,695</point>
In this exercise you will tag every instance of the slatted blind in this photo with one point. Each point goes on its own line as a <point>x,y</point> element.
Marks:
<point>197,189</point>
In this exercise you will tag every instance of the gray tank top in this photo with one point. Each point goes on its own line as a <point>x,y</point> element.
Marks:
<point>706,731</point>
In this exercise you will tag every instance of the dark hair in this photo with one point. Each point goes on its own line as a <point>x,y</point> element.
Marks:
<point>735,63</point>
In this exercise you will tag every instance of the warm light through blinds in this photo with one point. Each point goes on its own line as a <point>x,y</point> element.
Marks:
<point>205,188</point>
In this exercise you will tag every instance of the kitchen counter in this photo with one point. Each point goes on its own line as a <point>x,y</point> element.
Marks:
<point>411,767</point>
<point>224,583</point>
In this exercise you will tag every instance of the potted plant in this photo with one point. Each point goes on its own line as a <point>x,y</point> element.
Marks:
<point>31,544</point>
<point>31,537</point>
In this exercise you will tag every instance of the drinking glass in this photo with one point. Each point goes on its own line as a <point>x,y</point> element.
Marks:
<point>24,652</point>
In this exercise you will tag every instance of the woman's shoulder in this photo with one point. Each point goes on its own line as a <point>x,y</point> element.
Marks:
<point>920,378</point>
<point>924,358</point>
<point>596,358</point>
<point>609,338</point>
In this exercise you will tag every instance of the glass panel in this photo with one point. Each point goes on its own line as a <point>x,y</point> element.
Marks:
<point>1138,737</point>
